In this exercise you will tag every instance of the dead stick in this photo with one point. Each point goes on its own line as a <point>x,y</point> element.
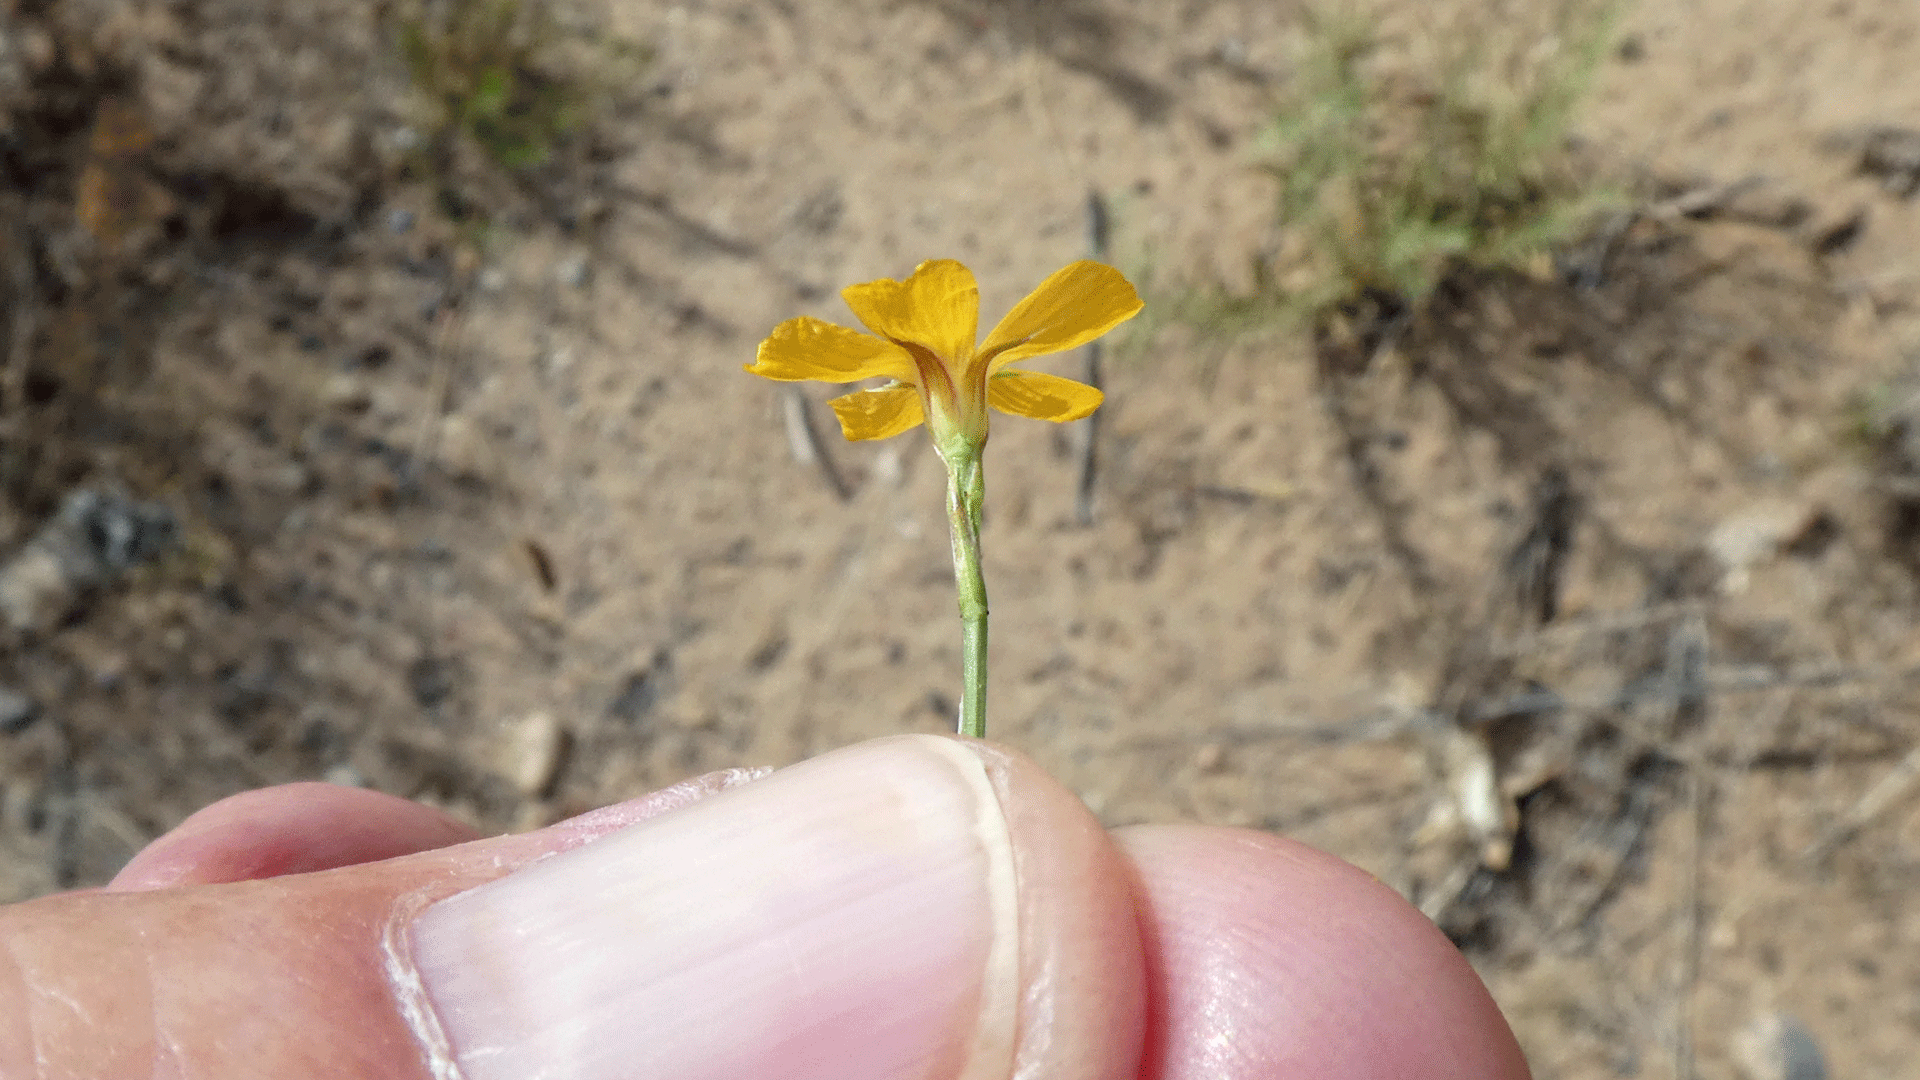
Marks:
<point>1374,727</point>
<point>1090,371</point>
<point>1897,782</point>
<point>13,380</point>
<point>1687,657</point>
<point>803,441</point>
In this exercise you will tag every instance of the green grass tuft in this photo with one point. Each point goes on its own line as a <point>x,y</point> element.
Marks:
<point>1401,159</point>
<point>478,64</point>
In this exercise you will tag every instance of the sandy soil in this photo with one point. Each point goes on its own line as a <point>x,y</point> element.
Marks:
<point>1583,615</point>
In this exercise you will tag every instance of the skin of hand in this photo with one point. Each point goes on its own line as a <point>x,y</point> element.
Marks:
<point>915,908</point>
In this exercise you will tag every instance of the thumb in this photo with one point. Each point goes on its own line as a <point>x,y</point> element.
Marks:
<point>913,907</point>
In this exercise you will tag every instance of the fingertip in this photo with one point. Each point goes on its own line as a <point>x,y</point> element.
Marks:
<point>1082,987</point>
<point>1266,957</point>
<point>288,829</point>
<point>917,905</point>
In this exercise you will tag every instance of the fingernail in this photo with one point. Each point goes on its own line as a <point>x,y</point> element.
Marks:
<point>851,917</point>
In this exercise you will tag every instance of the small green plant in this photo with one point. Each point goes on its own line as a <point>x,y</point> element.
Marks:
<point>1401,158</point>
<point>479,63</point>
<point>1879,414</point>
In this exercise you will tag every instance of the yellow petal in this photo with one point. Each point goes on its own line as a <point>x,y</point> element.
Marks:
<point>878,414</point>
<point>807,348</point>
<point>1071,308</point>
<point>938,307</point>
<point>1041,396</point>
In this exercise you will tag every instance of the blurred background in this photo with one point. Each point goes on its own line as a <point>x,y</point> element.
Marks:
<point>1512,486</point>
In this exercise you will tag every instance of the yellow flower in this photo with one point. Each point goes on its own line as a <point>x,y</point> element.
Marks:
<point>923,340</point>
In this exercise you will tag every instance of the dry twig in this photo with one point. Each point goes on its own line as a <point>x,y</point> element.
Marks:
<point>1091,374</point>
<point>804,443</point>
<point>1898,781</point>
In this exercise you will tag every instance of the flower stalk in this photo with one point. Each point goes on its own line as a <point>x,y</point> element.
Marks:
<point>966,490</point>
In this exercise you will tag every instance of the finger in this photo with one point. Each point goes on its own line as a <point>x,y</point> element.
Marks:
<point>290,829</point>
<point>1268,959</point>
<point>302,828</point>
<point>916,907</point>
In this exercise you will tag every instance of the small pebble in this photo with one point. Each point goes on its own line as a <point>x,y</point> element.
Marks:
<point>17,711</point>
<point>1754,536</point>
<point>432,679</point>
<point>34,593</point>
<point>347,392</point>
<point>532,750</point>
<point>572,271</point>
<point>96,537</point>
<point>400,221</point>
<point>465,451</point>
<point>345,775</point>
<point>1777,1046</point>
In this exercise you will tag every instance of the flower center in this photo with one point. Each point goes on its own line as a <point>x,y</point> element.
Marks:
<point>936,378</point>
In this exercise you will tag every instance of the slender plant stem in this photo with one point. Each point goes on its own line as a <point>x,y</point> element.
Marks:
<point>973,669</point>
<point>966,489</point>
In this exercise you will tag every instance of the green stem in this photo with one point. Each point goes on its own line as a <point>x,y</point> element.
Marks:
<point>973,670</point>
<point>966,489</point>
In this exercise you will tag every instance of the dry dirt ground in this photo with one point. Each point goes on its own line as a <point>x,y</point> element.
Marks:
<point>1581,609</point>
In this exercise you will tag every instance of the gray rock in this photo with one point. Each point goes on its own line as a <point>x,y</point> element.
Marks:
<point>95,539</point>
<point>1893,154</point>
<point>17,710</point>
<point>433,679</point>
<point>1777,1046</point>
<point>531,751</point>
<point>573,271</point>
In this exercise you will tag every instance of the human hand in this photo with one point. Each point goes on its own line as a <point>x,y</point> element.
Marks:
<point>915,907</point>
